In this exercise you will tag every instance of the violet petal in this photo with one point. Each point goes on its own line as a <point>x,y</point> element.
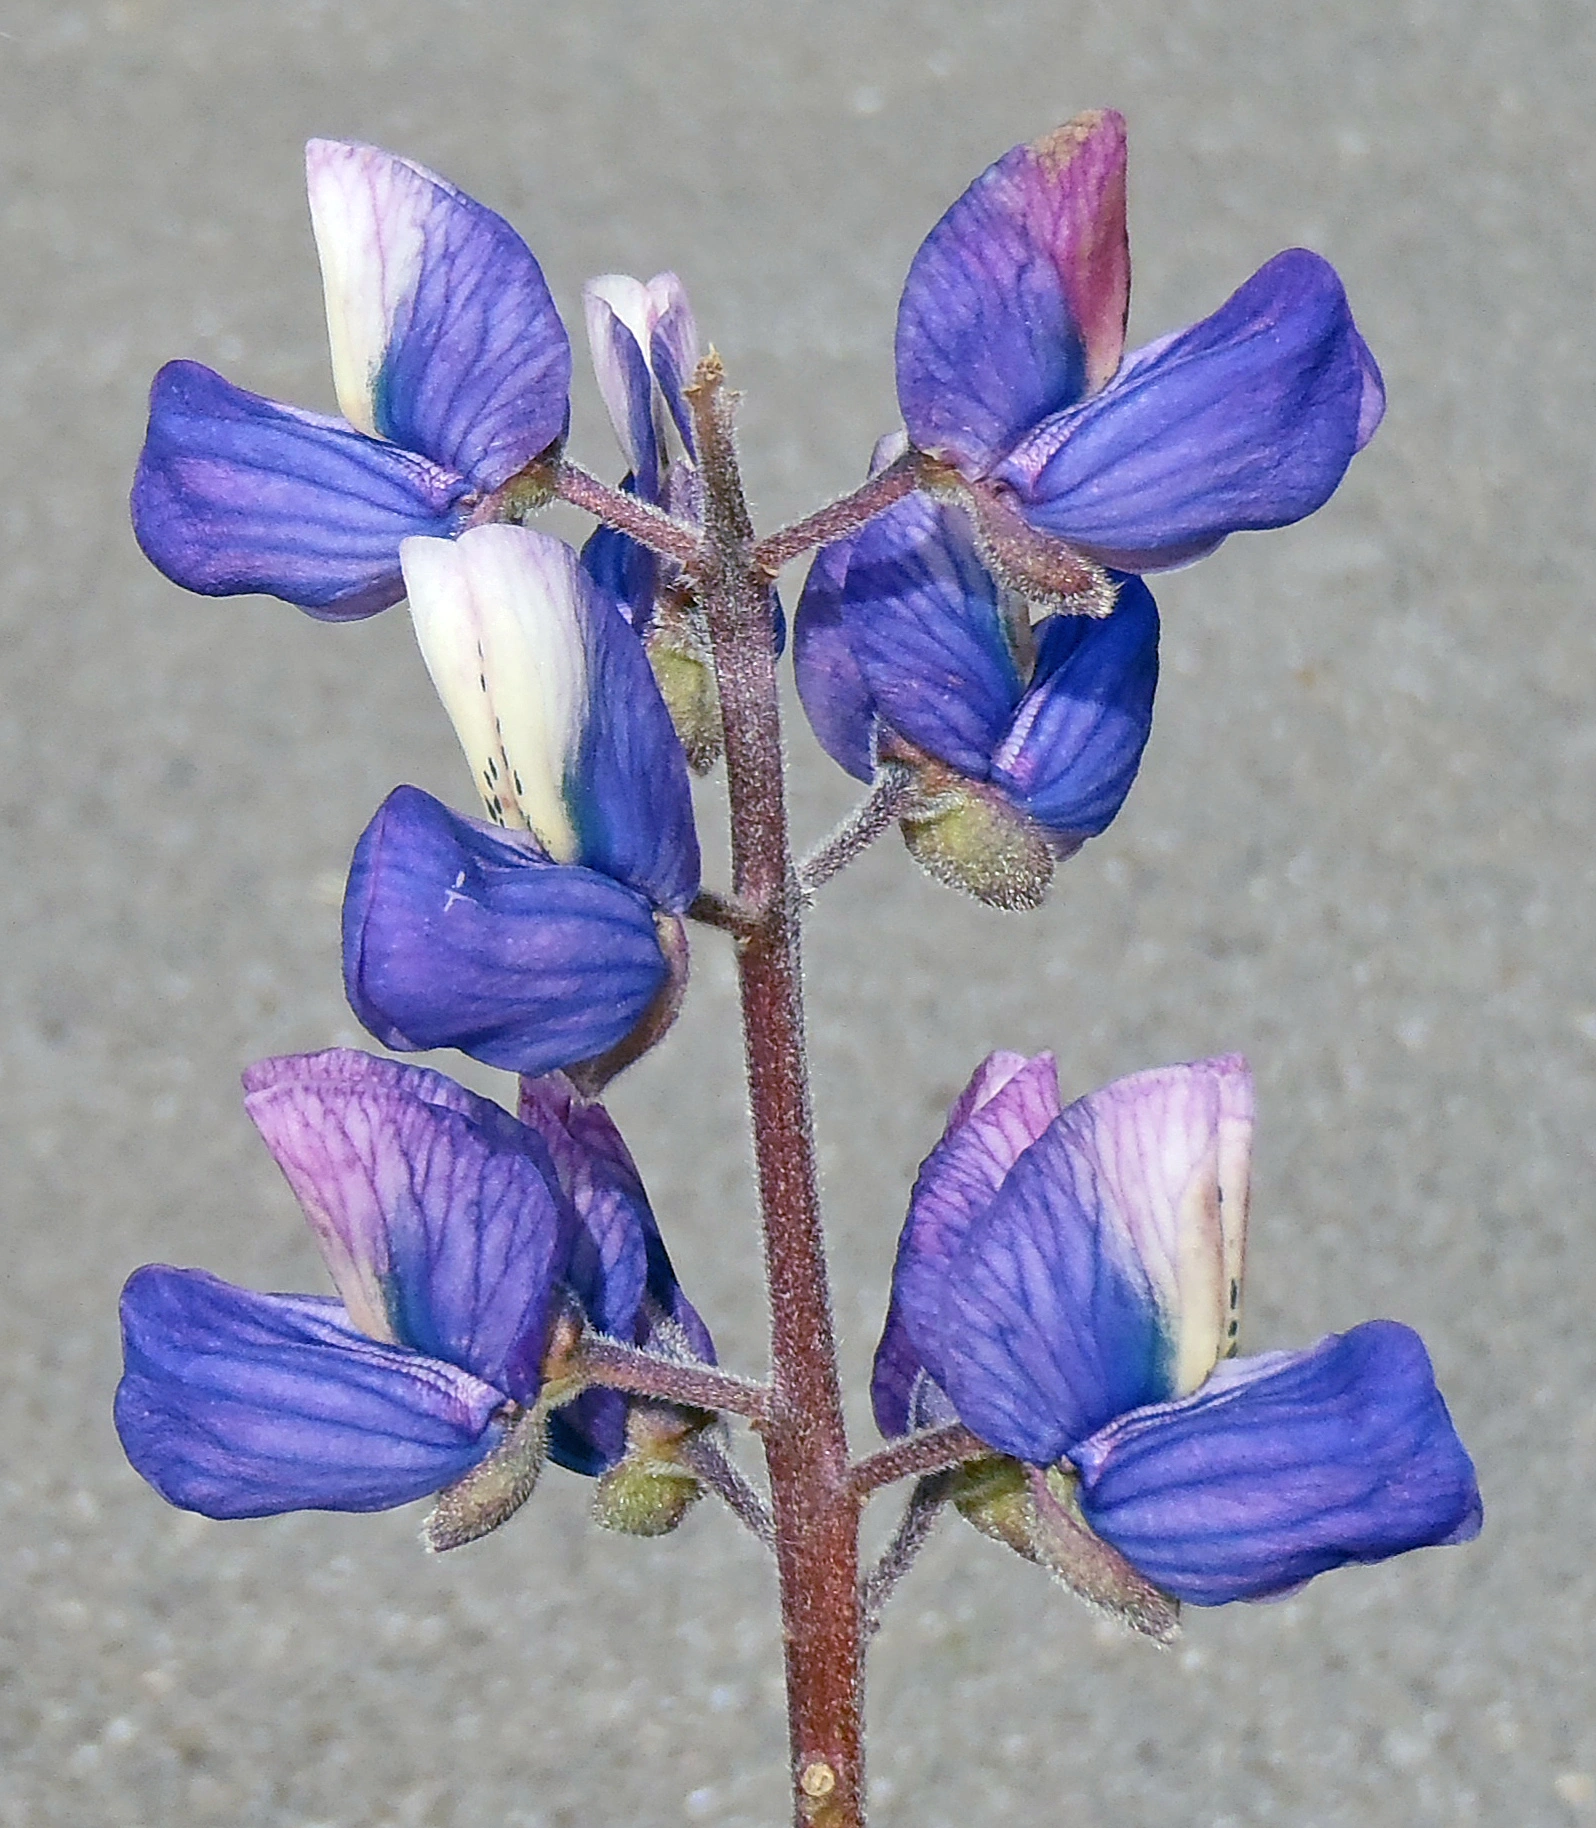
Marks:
<point>236,493</point>
<point>456,935</point>
<point>1015,304</point>
<point>1283,1467</point>
<point>235,1404</point>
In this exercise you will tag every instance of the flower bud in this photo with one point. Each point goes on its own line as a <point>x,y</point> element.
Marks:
<point>973,839</point>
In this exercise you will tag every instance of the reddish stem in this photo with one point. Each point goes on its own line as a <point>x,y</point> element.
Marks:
<point>806,1447</point>
<point>841,517</point>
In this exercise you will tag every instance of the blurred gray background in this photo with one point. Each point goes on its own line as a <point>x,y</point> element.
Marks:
<point>1359,850</point>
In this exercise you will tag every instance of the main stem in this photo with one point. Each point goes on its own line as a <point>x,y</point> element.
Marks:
<point>815,1506</point>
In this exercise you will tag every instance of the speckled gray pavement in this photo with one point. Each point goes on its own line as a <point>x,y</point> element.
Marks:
<point>1360,850</point>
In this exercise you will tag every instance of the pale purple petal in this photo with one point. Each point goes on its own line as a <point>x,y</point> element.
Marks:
<point>442,1233</point>
<point>1164,1155</point>
<point>673,351</point>
<point>556,706</point>
<point>444,336</point>
<point>1283,1468</point>
<point>1247,419</point>
<point>1076,742</point>
<point>235,493</point>
<point>243,1405</point>
<point>1015,305</point>
<point>620,324</point>
<point>456,935</point>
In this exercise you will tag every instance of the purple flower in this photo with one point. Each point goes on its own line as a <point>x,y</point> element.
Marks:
<point>551,936</point>
<point>1068,1285</point>
<point>456,1236</point>
<point>1009,355</point>
<point>452,371</point>
<point>1022,741</point>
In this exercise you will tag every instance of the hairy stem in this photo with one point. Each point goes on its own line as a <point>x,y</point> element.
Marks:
<point>914,1530</point>
<point>709,1459</point>
<point>806,1448</point>
<point>621,1367</point>
<point>648,525</point>
<point>839,518</point>
<point>868,820</point>
<point>931,1452</point>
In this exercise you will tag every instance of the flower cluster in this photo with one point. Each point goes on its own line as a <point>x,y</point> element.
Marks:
<point>979,646</point>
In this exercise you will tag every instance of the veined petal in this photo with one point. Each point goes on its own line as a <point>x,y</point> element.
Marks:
<point>1047,1327</point>
<point>456,935</point>
<point>921,616</point>
<point>498,614</point>
<point>1076,742</point>
<point>1008,1104</point>
<point>444,336</point>
<point>621,1273</point>
<point>1015,305</point>
<point>556,706</point>
<point>630,791</point>
<point>1247,419</point>
<point>673,352</point>
<point>1164,1156</point>
<point>1282,1467</point>
<point>620,328</point>
<point>838,703</point>
<point>235,1404</point>
<point>443,1232</point>
<point>236,493</point>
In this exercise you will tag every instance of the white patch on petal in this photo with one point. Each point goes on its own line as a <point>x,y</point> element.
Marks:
<point>1173,1148</point>
<point>369,212</point>
<point>500,614</point>
<point>615,303</point>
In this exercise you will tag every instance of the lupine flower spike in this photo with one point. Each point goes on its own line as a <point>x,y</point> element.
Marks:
<point>1073,456</point>
<point>550,937</point>
<point>453,373</point>
<point>1068,1286</point>
<point>1021,743</point>
<point>468,1251</point>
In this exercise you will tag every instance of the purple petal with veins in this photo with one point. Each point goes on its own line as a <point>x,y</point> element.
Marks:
<point>236,493</point>
<point>1075,744</point>
<point>444,336</point>
<point>458,935</point>
<point>1246,420</point>
<point>1282,1467</point>
<point>235,1404</point>
<point>1015,304</point>
<point>442,1233</point>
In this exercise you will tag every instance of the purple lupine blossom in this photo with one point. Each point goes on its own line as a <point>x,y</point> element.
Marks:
<point>452,370</point>
<point>453,1234</point>
<point>1068,1285</point>
<point>1011,369</point>
<point>903,652</point>
<point>544,938</point>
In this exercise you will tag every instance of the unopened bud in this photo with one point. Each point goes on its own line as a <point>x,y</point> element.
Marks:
<point>969,837</point>
<point>678,650</point>
<point>641,1497</point>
